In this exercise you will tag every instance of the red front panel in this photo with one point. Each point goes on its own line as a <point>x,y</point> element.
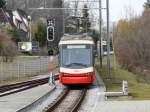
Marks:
<point>76,78</point>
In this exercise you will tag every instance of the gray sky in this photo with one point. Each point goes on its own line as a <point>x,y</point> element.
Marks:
<point>119,7</point>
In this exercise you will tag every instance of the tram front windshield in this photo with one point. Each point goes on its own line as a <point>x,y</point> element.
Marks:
<point>76,56</point>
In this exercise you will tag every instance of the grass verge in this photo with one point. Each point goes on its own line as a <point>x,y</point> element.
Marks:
<point>138,87</point>
<point>22,58</point>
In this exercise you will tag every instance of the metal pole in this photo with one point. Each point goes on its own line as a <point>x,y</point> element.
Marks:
<point>75,14</point>
<point>26,4</point>
<point>30,32</point>
<point>12,4</point>
<point>63,8</point>
<point>108,43</point>
<point>29,25</point>
<point>100,30</point>
<point>28,29</point>
<point>86,27</point>
<point>63,18</point>
<point>44,3</point>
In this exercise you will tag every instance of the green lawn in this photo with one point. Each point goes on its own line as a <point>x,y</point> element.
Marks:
<point>139,88</point>
<point>23,58</point>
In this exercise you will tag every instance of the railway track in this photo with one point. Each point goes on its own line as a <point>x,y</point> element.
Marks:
<point>18,87</point>
<point>69,101</point>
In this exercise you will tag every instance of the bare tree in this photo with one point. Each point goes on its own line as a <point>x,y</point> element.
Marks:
<point>131,42</point>
<point>8,49</point>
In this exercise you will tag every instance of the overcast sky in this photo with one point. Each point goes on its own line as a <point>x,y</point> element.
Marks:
<point>118,8</point>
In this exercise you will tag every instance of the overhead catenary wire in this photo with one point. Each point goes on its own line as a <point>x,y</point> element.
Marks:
<point>42,8</point>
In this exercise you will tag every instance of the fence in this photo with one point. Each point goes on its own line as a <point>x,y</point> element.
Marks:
<point>25,68</point>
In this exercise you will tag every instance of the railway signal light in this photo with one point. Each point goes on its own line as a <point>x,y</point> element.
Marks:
<point>50,33</point>
<point>50,22</point>
<point>50,52</point>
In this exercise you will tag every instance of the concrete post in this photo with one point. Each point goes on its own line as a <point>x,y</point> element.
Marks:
<point>1,72</point>
<point>18,69</point>
<point>125,87</point>
<point>24,68</point>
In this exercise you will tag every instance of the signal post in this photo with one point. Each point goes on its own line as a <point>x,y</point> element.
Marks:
<point>51,67</point>
<point>50,39</point>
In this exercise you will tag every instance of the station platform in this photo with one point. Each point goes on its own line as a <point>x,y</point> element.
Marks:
<point>123,106</point>
<point>17,101</point>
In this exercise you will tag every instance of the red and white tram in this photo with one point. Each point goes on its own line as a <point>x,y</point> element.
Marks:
<point>76,57</point>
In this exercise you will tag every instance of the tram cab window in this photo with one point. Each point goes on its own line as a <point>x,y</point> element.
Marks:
<point>76,56</point>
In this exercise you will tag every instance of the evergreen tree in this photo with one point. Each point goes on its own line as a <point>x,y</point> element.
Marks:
<point>147,4</point>
<point>41,34</point>
<point>86,24</point>
<point>2,3</point>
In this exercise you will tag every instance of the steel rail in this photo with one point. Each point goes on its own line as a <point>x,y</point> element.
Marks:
<point>74,106</point>
<point>18,87</point>
<point>79,101</point>
<point>58,100</point>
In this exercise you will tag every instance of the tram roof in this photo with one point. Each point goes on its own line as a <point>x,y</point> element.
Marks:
<point>76,39</point>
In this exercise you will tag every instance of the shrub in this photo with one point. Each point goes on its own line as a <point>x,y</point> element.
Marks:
<point>7,49</point>
<point>131,43</point>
